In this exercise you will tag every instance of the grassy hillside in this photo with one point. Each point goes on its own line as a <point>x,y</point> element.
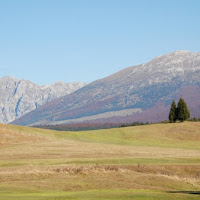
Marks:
<point>159,161</point>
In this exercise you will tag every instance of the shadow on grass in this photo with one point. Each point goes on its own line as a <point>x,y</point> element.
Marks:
<point>185,192</point>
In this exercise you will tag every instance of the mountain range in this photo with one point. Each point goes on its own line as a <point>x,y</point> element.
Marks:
<point>18,97</point>
<point>137,93</point>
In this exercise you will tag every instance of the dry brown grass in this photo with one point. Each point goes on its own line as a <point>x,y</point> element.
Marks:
<point>36,159</point>
<point>73,150</point>
<point>10,136</point>
<point>71,177</point>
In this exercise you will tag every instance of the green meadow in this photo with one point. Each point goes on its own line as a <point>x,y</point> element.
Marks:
<point>159,161</point>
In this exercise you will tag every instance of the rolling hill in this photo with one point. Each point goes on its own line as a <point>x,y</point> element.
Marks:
<point>158,161</point>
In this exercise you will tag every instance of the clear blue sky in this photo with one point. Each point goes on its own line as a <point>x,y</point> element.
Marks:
<point>84,40</point>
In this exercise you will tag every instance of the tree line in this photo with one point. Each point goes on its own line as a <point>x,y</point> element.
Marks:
<point>179,112</point>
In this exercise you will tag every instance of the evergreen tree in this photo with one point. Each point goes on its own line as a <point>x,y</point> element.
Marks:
<point>182,111</point>
<point>172,113</point>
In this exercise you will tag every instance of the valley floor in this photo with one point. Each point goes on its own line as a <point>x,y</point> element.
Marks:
<point>160,161</point>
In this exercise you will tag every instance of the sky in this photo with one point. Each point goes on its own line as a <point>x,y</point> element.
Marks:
<point>84,40</point>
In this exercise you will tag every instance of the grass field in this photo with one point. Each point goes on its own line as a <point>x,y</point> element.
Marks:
<point>160,161</point>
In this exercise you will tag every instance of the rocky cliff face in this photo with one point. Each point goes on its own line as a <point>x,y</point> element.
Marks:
<point>18,97</point>
<point>140,88</point>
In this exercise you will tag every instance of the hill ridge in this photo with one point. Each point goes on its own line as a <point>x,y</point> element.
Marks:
<point>143,87</point>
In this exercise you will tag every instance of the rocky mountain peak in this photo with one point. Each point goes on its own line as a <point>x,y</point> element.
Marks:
<point>18,97</point>
<point>136,89</point>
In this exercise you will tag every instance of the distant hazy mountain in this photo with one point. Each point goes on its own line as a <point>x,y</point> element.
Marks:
<point>18,97</point>
<point>137,93</point>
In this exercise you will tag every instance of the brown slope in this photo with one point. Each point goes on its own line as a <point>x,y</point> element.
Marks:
<point>160,111</point>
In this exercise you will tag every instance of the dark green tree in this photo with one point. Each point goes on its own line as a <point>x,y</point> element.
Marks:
<point>172,113</point>
<point>182,111</point>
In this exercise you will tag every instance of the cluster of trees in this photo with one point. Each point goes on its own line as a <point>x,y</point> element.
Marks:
<point>79,126</point>
<point>134,124</point>
<point>180,112</point>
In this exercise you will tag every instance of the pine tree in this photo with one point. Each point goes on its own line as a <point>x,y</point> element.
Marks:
<point>172,113</point>
<point>182,111</point>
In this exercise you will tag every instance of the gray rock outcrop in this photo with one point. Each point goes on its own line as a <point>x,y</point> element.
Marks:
<point>18,97</point>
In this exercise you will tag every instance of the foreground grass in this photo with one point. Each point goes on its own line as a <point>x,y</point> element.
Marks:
<point>99,194</point>
<point>108,161</point>
<point>159,161</point>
